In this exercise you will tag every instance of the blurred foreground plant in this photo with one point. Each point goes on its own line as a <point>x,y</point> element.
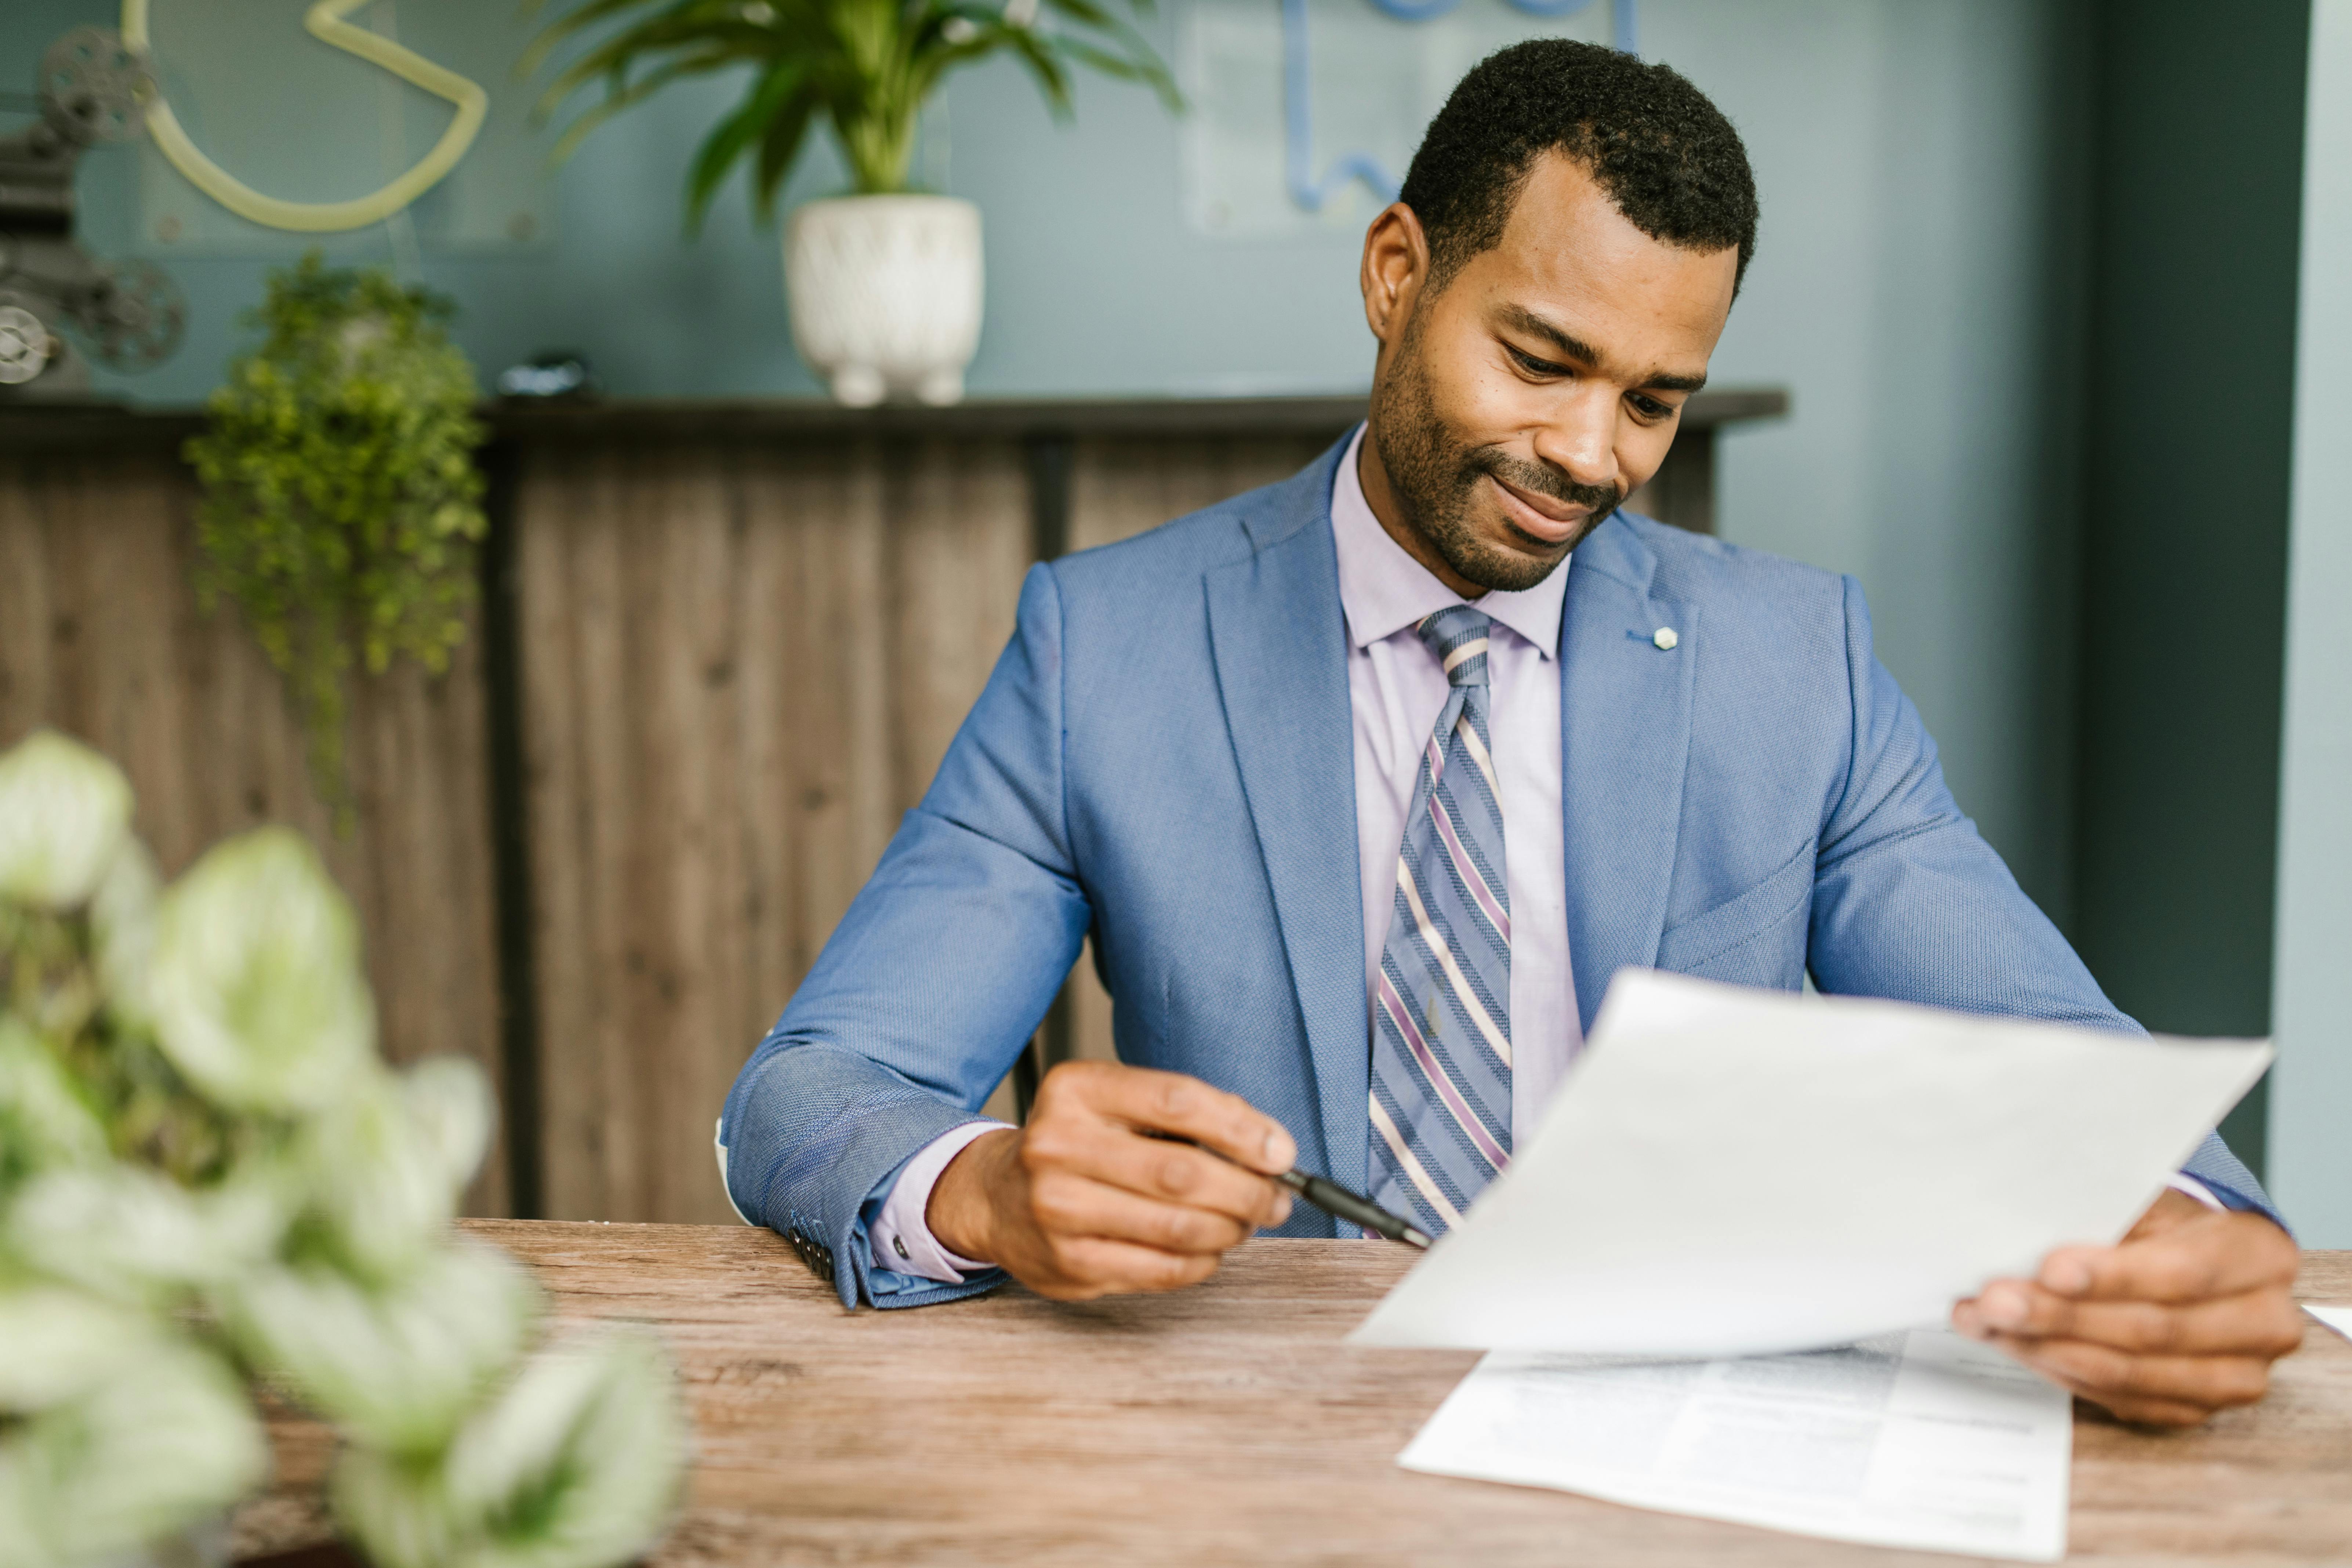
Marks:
<point>209,1179</point>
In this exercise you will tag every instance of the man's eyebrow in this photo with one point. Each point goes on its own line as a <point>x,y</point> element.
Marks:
<point>1572,347</point>
<point>1535,326</point>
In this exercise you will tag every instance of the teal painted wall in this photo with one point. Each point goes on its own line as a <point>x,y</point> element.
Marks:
<point>2027,266</point>
<point>1921,201</point>
<point>2191,404</point>
<point>1918,286</point>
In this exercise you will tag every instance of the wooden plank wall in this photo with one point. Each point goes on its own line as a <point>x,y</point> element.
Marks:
<point>100,636</point>
<point>741,655</point>
<point>741,664</point>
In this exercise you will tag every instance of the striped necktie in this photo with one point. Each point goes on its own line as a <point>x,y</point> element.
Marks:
<point>1441,1101</point>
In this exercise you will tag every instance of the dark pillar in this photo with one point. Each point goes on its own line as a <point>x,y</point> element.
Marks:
<point>2199,135</point>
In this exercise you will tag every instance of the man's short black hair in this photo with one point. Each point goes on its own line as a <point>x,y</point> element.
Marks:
<point>1664,155</point>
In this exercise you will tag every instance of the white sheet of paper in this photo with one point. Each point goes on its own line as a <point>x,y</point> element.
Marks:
<point>1731,1171</point>
<point>1921,1439</point>
<point>2337,1318</point>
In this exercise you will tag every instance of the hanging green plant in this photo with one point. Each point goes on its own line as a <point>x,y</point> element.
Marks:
<point>341,500</point>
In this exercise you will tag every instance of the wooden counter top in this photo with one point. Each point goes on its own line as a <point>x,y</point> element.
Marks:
<point>1228,1424</point>
<point>74,426</point>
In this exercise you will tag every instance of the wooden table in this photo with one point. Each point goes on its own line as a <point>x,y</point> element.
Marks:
<point>1228,1424</point>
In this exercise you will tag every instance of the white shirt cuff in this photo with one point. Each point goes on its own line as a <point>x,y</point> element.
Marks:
<point>2198,1189</point>
<point>901,1236</point>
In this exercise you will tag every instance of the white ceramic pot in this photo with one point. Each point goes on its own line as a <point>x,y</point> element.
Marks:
<point>884,294</point>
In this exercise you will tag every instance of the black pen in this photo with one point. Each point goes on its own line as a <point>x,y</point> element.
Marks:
<point>1334,1199</point>
<point>1324,1193</point>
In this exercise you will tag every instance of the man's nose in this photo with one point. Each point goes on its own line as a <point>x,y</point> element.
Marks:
<point>1580,439</point>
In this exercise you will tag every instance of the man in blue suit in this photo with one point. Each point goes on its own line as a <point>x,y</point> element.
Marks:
<point>1367,782</point>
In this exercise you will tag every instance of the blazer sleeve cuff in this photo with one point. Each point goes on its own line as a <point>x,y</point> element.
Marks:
<point>2232,1184</point>
<point>898,1227</point>
<point>811,1138</point>
<point>858,1275</point>
<point>2225,1197</point>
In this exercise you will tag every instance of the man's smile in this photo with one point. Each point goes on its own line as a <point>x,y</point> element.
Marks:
<point>1543,519</point>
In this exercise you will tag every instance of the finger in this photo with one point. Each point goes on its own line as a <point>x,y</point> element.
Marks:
<point>2220,1254</point>
<point>1086,1267</point>
<point>2162,1413</point>
<point>1148,1167</point>
<point>1073,1205</point>
<point>2136,1408</point>
<point>1172,1102</point>
<point>2140,1410</point>
<point>2262,1322</point>
<point>2104,1374</point>
<point>2172,1209</point>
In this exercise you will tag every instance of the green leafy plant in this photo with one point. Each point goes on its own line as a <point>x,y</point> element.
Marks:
<point>209,1181</point>
<point>866,66</point>
<point>341,500</point>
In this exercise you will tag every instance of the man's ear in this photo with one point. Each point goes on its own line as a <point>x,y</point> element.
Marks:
<point>1395,269</point>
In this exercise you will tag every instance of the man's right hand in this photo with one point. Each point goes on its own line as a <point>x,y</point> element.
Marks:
<point>1080,1202</point>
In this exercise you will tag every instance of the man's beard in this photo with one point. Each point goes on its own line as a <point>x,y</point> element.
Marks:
<point>1434,473</point>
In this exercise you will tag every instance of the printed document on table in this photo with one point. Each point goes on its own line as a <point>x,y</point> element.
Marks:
<point>1921,1439</point>
<point>1731,1172</point>
<point>2337,1318</point>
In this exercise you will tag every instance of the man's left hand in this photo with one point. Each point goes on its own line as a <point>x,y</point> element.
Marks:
<point>2180,1318</point>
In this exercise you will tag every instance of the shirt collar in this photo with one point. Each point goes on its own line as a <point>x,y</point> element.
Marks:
<point>1384,590</point>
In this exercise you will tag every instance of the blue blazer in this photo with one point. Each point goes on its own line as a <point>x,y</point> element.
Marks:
<point>1163,758</point>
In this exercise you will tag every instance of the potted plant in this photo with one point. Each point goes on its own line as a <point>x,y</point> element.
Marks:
<point>340,501</point>
<point>211,1184</point>
<point>884,283</point>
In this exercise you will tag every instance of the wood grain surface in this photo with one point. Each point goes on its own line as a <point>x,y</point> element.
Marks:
<point>747,634</point>
<point>101,636</point>
<point>742,667</point>
<point>740,664</point>
<point>1228,1424</point>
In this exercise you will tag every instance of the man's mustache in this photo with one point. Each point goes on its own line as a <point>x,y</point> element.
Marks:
<point>1538,479</point>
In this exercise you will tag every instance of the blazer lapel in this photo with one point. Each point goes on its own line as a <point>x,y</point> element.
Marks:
<point>1624,725</point>
<point>1280,645</point>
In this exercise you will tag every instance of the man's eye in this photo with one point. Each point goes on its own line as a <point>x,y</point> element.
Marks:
<point>1648,407</point>
<point>1535,366</point>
